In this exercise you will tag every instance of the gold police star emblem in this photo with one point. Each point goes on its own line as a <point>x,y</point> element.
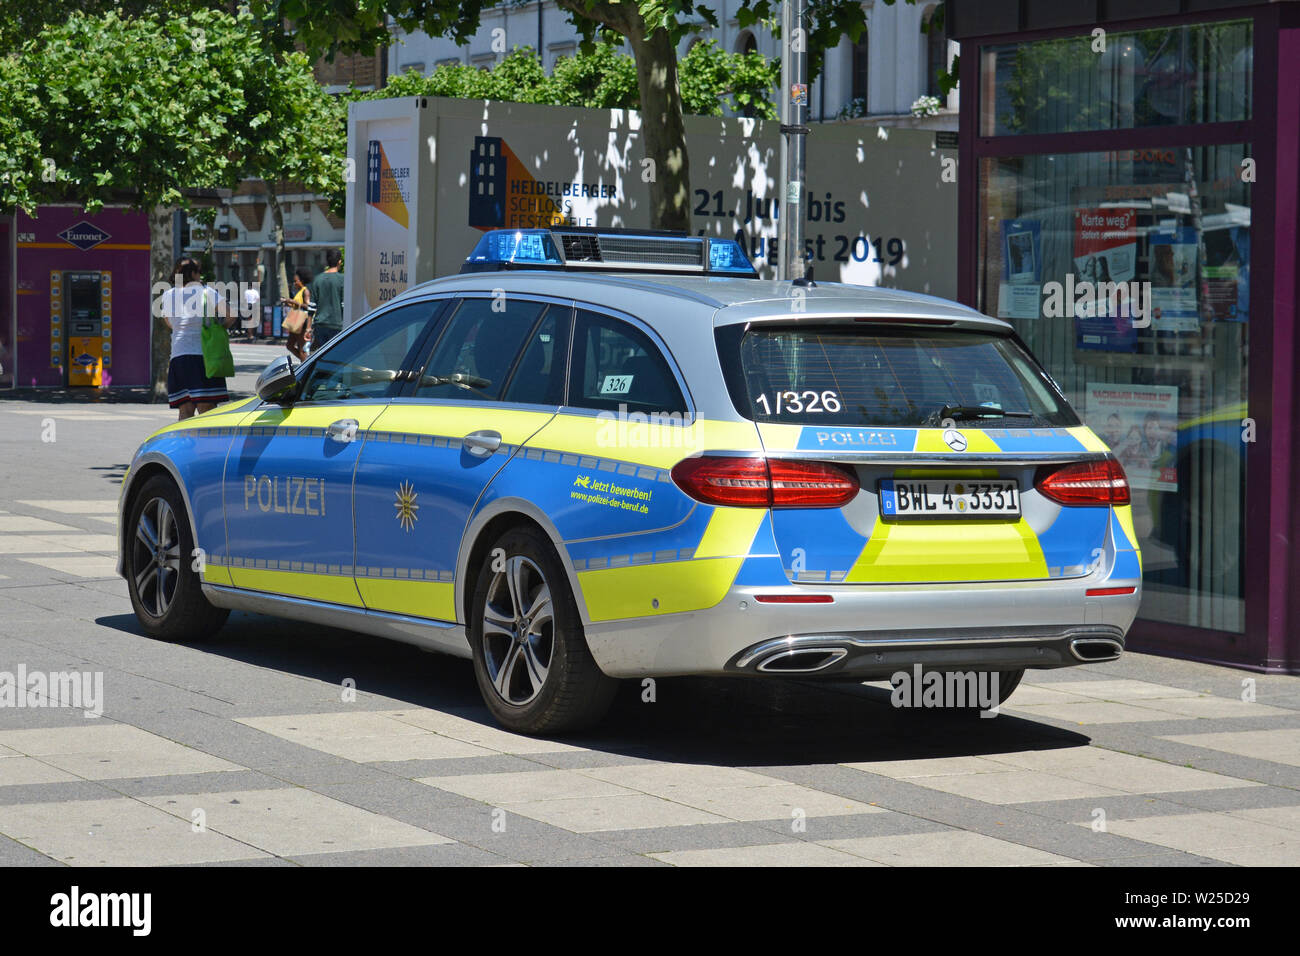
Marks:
<point>406,506</point>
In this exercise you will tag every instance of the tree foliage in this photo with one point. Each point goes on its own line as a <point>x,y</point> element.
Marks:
<point>140,107</point>
<point>603,78</point>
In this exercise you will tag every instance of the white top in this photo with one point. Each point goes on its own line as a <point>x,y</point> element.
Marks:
<point>185,308</point>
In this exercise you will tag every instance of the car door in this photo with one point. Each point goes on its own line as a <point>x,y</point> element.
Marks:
<point>288,479</point>
<point>494,376</point>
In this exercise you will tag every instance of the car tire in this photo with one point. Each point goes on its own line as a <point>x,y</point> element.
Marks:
<point>166,591</point>
<point>531,660</point>
<point>1008,681</point>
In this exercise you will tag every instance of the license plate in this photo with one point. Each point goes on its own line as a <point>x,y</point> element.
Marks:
<point>956,498</point>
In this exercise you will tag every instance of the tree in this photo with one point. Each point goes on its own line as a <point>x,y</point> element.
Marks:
<point>99,108</point>
<point>298,133</point>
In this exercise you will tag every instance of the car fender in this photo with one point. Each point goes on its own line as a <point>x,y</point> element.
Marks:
<point>509,505</point>
<point>140,464</point>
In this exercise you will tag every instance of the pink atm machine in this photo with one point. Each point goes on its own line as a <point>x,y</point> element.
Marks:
<point>84,314</point>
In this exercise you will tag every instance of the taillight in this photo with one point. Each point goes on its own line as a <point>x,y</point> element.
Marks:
<point>811,484</point>
<point>765,483</point>
<point>1100,482</point>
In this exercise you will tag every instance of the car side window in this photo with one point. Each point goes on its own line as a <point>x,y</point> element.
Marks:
<point>538,378</point>
<point>365,364</point>
<point>478,348</point>
<point>615,363</point>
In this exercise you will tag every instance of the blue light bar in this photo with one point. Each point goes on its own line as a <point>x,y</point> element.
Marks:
<point>520,247</point>
<point>726,256</point>
<point>608,250</point>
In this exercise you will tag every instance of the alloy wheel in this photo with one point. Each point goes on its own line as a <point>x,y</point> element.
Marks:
<point>518,631</point>
<point>156,557</point>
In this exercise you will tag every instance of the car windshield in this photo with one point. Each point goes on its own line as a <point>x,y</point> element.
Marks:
<point>901,376</point>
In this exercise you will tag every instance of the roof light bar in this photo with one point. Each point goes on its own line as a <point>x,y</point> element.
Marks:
<point>608,250</point>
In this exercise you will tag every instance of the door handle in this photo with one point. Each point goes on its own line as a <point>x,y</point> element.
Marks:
<point>482,443</point>
<point>343,431</point>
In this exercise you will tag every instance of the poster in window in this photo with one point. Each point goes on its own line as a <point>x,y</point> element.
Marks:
<point>1139,424</point>
<point>1173,280</point>
<point>1105,263</point>
<point>1227,274</point>
<point>1022,250</point>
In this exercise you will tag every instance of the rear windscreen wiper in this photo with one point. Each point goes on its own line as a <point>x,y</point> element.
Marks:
<point>956,412</point>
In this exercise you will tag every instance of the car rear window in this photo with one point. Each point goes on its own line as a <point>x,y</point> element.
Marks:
<point>902,376</point>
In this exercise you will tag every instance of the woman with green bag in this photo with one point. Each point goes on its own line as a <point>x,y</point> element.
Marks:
<point>201,359</point>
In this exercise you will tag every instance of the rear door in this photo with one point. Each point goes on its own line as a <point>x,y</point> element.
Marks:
<point>944,429</point>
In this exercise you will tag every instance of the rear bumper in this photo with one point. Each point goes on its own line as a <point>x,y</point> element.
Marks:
<point>874,631</point>
<point>866,656</point>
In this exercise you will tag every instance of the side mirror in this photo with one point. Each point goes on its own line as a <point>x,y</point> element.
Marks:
<point>277,381</point>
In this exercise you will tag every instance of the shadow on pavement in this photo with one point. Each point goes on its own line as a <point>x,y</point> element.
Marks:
<point>736,722</point>
<point>81,396</point>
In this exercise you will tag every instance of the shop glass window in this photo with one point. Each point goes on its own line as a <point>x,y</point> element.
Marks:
<point>1176,76</point>
<point>1127,273</point>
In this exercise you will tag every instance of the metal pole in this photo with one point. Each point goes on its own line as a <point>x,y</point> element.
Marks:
<point>794,133</point>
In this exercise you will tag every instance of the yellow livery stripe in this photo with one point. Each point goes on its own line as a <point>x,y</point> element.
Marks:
<point>730,532</point>
<point>1124,514</point>
<point>975,551</point>
<point>435,599</point>
<point>331,588</point>
<point>613,593</point>
<point>649,442</point>
<point>1088,439</point>
<point>930,441</point>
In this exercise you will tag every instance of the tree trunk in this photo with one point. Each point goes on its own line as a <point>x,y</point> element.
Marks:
<point>663,129</point>
<point>277,229</point>
<point>161,265</point>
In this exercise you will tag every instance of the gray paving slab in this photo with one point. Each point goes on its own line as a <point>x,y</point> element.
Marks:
<point>448,854</point>
<point>55,792</point>
<point>697,837</point>
<point>13,853</point>
<point>398,798</point>
<point>629,859</point>
<point>855,825</point>
<point>217,782</point>
<point>453,766</point>
<point>522,840</point>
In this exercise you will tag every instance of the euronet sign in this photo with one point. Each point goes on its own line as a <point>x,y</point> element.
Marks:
<point>880,205</point>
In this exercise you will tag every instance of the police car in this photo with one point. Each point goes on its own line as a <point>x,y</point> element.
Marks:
<point>594,456</point>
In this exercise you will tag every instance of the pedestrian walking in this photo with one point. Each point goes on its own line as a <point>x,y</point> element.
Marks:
<point>297,321</point>
<point>185,309</point>
<point>326,291</point>
<point>251,313</point>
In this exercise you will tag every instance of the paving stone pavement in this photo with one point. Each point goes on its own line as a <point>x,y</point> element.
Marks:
<point>250,749</point>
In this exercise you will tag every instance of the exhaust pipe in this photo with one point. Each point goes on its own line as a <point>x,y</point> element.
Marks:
<point>1093,649</point>
<point>803,660</point>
